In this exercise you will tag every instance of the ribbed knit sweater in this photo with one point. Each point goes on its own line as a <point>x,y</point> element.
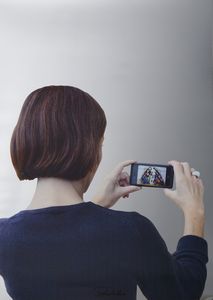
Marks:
<point>85,251</point>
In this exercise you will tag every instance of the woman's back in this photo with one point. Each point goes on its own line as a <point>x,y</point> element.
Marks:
<point>86,251</point>
<point>60,252</point>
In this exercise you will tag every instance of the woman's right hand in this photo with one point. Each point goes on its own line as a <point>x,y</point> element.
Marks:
<point>189,192</point>
<point>115,185</point>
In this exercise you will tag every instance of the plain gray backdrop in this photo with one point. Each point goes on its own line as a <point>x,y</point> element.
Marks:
<point>149,65</point>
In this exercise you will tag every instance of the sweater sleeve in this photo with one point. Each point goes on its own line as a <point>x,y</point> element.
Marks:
<point>162,275</point>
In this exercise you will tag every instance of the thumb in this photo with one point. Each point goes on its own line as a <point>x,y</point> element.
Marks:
<point>129,189</point>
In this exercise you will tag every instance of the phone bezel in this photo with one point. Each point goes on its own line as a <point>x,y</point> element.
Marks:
<point>169,175</point>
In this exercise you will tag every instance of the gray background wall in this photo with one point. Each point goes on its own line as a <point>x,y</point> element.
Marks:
<point>148,63</point>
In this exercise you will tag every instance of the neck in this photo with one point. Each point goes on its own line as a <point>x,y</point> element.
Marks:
<point>51,191</point>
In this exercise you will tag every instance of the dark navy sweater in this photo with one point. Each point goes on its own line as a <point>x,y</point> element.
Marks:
<point>86,251</point>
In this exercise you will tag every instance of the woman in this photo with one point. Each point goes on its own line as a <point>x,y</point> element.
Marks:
<point>61,247</point>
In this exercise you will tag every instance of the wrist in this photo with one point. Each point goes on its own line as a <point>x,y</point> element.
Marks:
<point>194,213</point>
<point>194,223</point>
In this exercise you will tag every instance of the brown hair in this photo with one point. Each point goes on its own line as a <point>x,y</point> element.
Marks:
<point>58,134</point>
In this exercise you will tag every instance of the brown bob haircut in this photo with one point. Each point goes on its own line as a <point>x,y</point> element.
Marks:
<point>58,134</point>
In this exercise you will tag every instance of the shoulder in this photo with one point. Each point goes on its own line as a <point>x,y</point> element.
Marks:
<point>146,229</point>
<point>114,213</point>
<point>144,234</point>
<point>141,223</point>
<point>118,218</point>
<point>133,216</point>
<point>138,222</point>
<point>3,221</point>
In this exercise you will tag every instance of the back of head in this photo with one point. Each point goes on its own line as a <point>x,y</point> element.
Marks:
<point>57,134</point>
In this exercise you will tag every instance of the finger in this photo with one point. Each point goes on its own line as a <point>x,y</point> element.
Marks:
<point>123,183</point>
<point>178,169</point>
<point>195,178</point>
<point>126,196</point>
<point>124,178</point>
<point>130,189</point>
<point>200,182</point>
<point>124,175</point>
<point>118,169</point>
<point>187,169</point>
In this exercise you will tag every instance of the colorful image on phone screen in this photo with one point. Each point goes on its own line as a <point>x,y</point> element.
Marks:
<point>151,175</point>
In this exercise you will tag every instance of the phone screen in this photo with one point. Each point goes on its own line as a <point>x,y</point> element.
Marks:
<point>151,175</point>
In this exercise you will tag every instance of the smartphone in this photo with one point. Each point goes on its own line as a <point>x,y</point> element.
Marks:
<point>151,175</point>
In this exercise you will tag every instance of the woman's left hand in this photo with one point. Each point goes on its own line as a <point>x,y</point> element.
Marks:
<point>115,186</point>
